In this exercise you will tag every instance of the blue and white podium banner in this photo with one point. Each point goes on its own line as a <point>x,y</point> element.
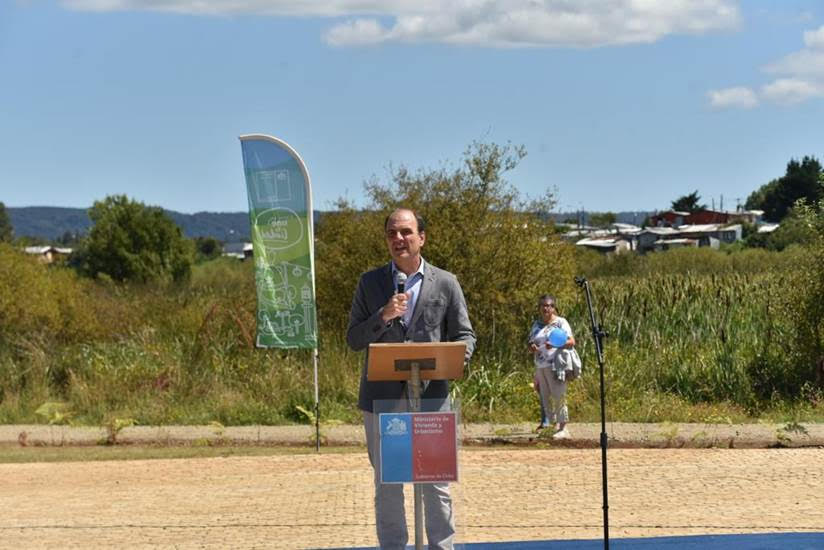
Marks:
<point>418,447</point>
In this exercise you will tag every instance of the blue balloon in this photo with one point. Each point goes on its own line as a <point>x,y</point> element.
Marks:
<point>558,337</point>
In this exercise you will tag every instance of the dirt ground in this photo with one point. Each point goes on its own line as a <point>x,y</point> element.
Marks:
<point>325,500</point>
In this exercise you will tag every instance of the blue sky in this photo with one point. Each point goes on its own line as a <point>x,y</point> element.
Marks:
<point>621,104</point>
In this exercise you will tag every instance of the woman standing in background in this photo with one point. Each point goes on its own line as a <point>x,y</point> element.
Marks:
<point>552,384</point>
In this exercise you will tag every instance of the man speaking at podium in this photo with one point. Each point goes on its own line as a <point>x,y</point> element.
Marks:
<point>407,300</point>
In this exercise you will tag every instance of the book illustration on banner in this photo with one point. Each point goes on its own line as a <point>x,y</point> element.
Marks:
<point>272,186</point>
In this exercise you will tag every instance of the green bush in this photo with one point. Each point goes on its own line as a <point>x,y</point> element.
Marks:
<point>130,241</point>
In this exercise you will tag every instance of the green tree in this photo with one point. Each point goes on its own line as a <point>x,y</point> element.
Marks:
<point>348,242</point>
<point>759,197</point>
<point>130,241</point>
<point>208,248</point>
<point>794,230</point>
<point>688,203</point>
<point>602,219</point>
<point>6,230</point>
<point>68,238</point>
<point>502,247</point>
<point>777,198</point>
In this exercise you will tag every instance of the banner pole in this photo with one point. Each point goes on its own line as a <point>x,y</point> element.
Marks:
<point>317,403</point>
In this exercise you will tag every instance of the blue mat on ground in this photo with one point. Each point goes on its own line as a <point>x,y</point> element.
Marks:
<point>769,541</point>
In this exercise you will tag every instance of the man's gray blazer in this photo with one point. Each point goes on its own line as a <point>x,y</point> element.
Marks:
<point>440,316</point>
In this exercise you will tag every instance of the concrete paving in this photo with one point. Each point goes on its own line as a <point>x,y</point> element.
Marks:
<point>620,435</point>
<point>697,479</point>
<point>325,500</point>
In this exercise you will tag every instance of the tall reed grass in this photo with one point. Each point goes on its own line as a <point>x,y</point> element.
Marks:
<point>691,345</point>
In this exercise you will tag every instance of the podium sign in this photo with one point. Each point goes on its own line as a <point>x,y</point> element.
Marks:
<point>418,447</point>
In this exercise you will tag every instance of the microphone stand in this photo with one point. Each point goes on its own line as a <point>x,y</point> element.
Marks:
<point>598,334</point>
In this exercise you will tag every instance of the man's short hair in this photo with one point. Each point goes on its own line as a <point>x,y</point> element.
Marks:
<point>418,218</point>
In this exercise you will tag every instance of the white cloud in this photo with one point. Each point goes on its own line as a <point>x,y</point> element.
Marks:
<point>815,39</point>
<point>519,23</point>
<point>806,62</point>
<point>738,97</point>
<point>495,23</point>
<point>800,78</point>
<point>357,32</point>
<point>792,90</point>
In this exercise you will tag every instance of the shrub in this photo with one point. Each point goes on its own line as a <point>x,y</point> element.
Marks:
<point>130,241</point>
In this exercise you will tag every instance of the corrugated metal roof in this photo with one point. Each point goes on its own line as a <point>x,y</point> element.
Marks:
<point>707,228</point>
<point>626,227</point>
<point>676,241</point>
<point>660,230</point>
<point>46,248</point>
<point>599,243</point>
<point>37,249</point>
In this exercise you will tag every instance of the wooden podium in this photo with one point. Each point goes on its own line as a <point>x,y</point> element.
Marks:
<point>413,362</point>
<point>398,361</point>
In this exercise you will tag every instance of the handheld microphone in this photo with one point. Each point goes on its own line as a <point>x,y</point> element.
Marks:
<point>400,280</point>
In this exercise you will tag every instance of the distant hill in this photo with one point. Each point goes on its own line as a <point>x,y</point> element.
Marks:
<point>633,217</point>
<point>51,222</point>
